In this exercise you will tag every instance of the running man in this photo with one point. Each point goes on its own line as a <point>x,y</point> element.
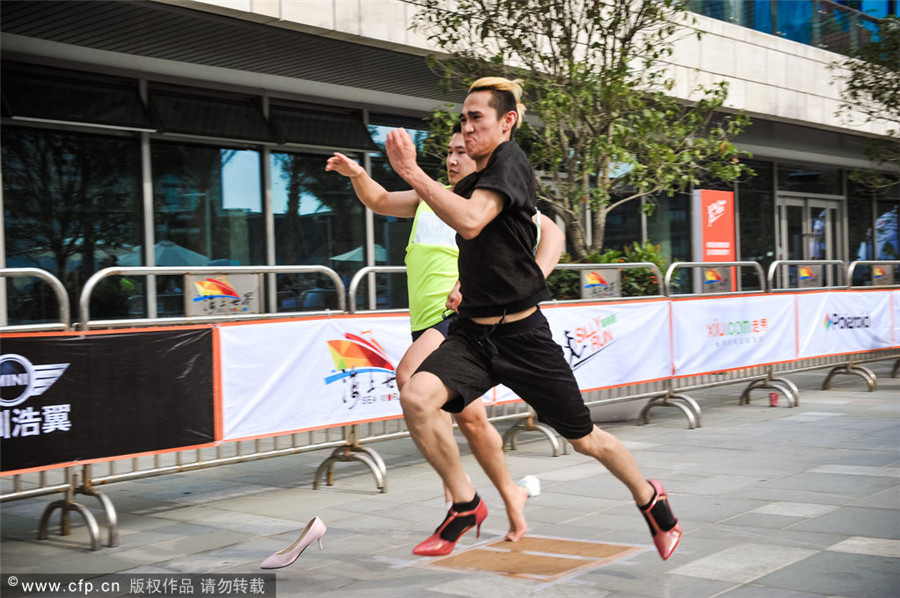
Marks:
<point>501,335</point>
<point>431,261</point>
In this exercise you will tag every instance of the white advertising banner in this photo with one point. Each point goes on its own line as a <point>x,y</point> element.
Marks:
<point>724,333</point>
<point>838,322</point>
<point>282,377</point>
<point>895,299</point>
<point>609,344</point>
<point>612,344</point>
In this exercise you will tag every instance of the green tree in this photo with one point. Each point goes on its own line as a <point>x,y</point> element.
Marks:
<point>594,76</point>
<point>870,81</point>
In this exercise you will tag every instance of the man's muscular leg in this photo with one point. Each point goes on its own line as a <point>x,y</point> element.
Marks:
<point>487,446</point>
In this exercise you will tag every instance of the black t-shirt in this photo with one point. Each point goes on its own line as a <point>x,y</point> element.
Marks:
<point>497,271</point>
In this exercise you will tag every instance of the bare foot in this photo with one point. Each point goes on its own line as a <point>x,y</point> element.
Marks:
<point>516,514</point>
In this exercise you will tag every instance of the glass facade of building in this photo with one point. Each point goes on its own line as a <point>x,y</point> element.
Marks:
<point>74,200</point>
<point>191,177</point>
<point>838,26</point>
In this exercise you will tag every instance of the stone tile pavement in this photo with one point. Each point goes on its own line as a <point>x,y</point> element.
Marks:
<point>775,502</point>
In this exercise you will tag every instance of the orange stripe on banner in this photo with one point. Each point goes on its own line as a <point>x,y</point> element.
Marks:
<point>218,415</point>
<point>313,428</point>
<point>602,303</point>
<point>106,459</point>
<point>847,353</point>
<point>734,296</point>
<point>743,367</point>
<point>672,339</point>
<point>894,339</point>
<point>108,331</point>
<point>336,316</point>
<point>625,384</point>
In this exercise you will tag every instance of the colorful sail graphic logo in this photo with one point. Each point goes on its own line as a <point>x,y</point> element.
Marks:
<point>878,272</point>
<point>595,279</point>
<point>213,288</point>
<point>356,355</point>
<point>806,274</point>
<point>712,276</point>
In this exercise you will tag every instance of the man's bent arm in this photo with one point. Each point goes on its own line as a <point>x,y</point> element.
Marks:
<point>550,246</point>
<point>466,216</point>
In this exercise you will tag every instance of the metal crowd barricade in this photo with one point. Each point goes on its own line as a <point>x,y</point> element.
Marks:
<point>893,282</point>
<point>777,266</point>
<point>756,377</point>
<point>519,412</point>
<point>85,322</point>
<point>45,482</point>
<point>839,364</point>
<point>594,398</point>
<point>62,298</point>
<point>347,442</point>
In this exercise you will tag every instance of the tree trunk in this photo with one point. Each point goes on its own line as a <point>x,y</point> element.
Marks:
<point>598,224</point>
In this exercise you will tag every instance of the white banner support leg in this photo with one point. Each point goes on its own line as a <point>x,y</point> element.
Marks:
<point>686,404</point>
<point>353,451</point>
<point>527,424</point>
<point>852,369</point>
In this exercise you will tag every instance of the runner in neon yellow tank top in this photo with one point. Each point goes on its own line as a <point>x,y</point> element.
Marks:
<point>432,275</point>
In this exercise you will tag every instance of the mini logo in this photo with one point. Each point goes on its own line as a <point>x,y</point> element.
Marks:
<point>712,276</point>
<point>356,355</point>
<point>588,340</point>
<point>806,274</point>
<point>714,211</point>
<point>20,379</point>
<point>845,322</point>
<point>365,368</point>
<point>879,272</point>
<point>595,279</point>
<point>213,288</point>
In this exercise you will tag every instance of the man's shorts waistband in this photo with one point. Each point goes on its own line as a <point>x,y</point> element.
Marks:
<point>503,329</point>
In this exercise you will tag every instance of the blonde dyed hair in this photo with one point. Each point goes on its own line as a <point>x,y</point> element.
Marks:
<point>500,87</point>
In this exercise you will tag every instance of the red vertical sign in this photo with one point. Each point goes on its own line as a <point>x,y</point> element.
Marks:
<point>714,234</point>
<point>715,212</point>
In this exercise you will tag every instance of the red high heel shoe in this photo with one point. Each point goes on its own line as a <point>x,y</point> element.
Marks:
<point>665,541</point>
<point>435,545</point>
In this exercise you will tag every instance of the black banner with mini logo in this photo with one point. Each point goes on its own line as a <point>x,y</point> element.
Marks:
<point>65,398</point>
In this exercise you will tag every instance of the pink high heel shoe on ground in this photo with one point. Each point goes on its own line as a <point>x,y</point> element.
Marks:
<point>314,530</point>
<point>667,540</point>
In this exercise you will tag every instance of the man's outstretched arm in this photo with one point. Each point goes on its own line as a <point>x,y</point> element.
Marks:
<point>400,204</point>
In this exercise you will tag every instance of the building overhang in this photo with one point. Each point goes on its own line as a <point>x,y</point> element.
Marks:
<point>178,44</point>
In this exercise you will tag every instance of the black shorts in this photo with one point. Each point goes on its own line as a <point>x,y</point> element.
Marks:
<point>523,356</point>
<point>443,326</point>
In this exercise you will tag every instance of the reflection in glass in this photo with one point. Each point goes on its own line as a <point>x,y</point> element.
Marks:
<point>318,221</point>
<point>393,233</point>
<point>756,214</point>
<point>669,227</point>
<point>71,207</point>
<point>818,225</point>
<point>794,233</point>
<point>623,226</point>
<point>810,179</point>
<point>207,211</point>
<point>795,20</point>
<point>887,237</point>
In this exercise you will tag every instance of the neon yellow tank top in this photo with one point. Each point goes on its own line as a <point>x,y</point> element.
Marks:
<point>431,267</point>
